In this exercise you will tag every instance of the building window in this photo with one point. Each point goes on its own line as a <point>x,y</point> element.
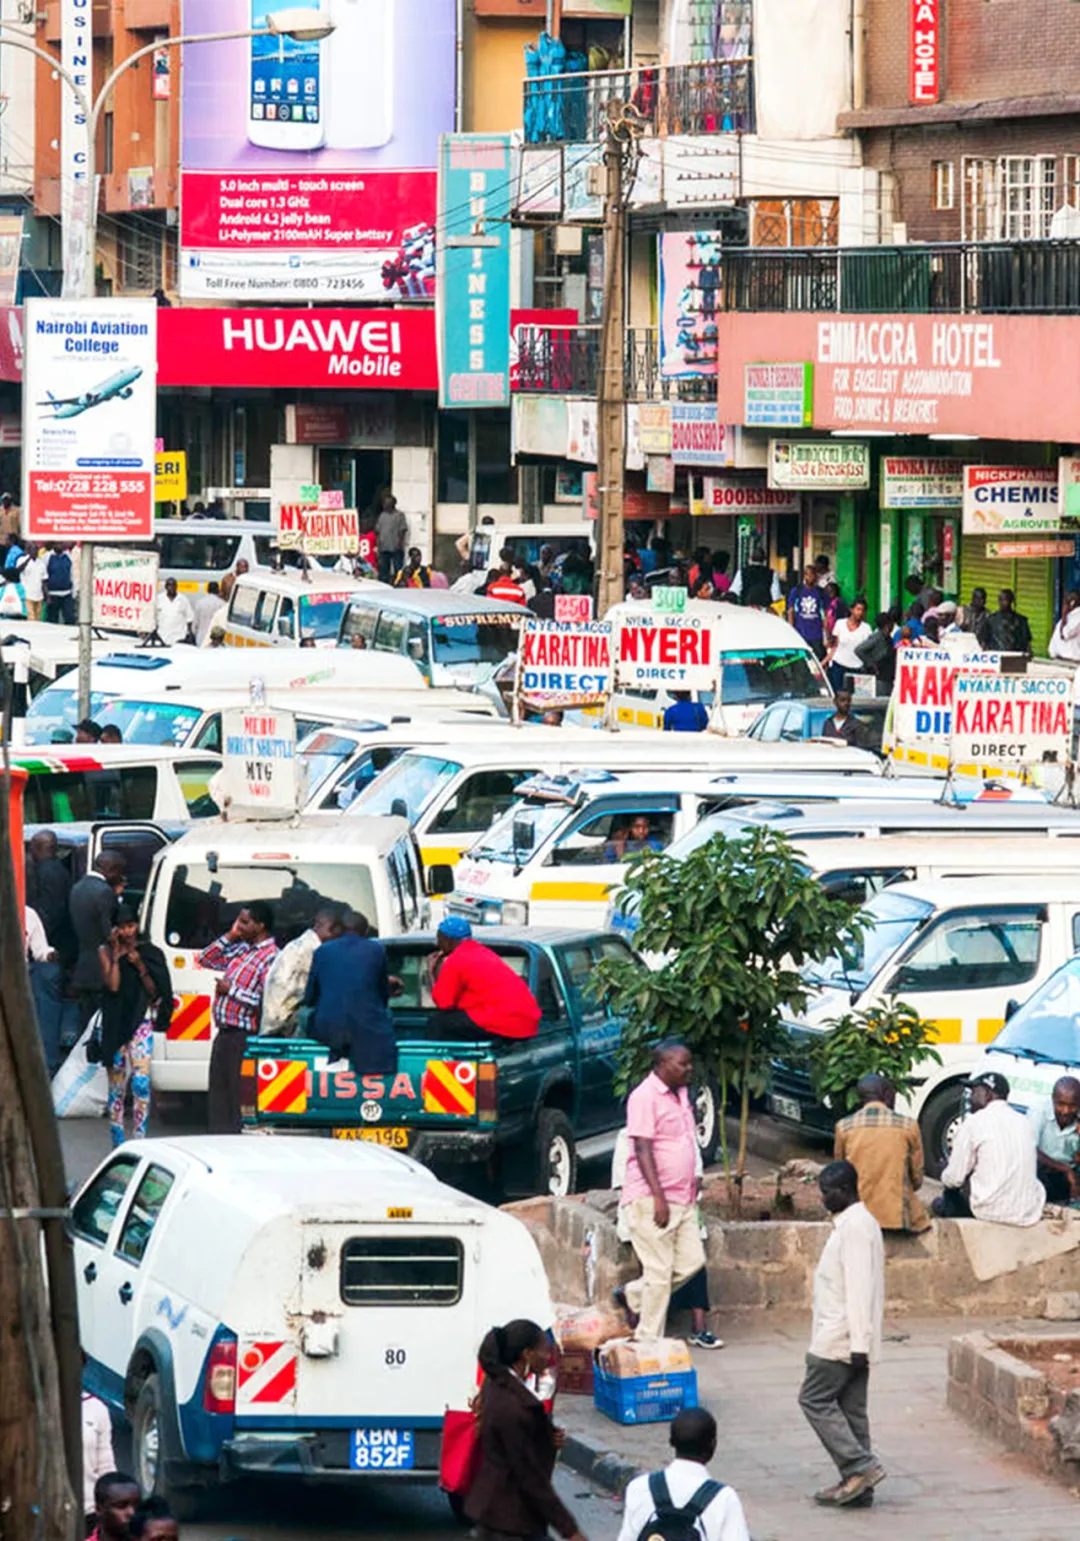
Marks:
<point>1010,198</point>
<point>1071,181</point>
<point>496,478</point>
<point>943,184</point>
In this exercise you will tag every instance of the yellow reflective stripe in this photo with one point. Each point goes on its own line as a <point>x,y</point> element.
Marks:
<point>584,893</point>
<point>444,855</point>
<point>948,1029</point>
<point>989,1027</point>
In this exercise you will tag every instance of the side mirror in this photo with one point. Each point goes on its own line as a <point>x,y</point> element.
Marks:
<point>284,626</point>
<point>399,809</point>
<point>440,880</point>
<point>1011,1008</point>
<point>416,649</point>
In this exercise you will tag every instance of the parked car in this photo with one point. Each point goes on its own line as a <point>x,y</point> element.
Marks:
<point>789,721</point>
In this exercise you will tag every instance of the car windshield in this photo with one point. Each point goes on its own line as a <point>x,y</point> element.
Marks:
<point>769,674</point>
<point>53,714</point>
<point>203,904</point>
<point>522,830</point>
<point>320,616</point>
<point>321,755</point>
<point>412,782</point>
<point>892,919</point>
<point>1047,1027</point>
<point>488,639</point>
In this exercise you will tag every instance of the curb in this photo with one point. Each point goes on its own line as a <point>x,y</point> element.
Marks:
<point>603,1468</point>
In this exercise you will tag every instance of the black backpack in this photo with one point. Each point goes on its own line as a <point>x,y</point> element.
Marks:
<point>669,1523</point>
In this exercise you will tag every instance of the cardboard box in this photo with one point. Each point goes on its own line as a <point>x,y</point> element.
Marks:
<point>644,1357</point>
<point>576,1371</point>
<point>588,1326</point>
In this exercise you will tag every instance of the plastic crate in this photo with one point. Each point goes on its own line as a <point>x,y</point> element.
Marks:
<point>643,1398</point>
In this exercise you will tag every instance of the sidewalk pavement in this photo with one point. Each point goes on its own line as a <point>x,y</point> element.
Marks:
<point>945,1482</point>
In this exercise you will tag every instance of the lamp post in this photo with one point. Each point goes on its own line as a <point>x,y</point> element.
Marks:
<point>298,24</point>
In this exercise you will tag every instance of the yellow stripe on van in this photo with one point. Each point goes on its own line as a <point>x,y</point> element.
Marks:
<point>441,855</point>
<point>583,893</point>
<point>948,1029</point>
<point>989,1027</point>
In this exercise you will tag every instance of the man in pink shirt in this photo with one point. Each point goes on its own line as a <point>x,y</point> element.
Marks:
<point>659,1197</point>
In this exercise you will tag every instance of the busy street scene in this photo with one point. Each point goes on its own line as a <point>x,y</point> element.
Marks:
<point>539,840</point>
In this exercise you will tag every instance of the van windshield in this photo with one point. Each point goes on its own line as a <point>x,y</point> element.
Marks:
<point>53,714</point>
<point>414,781</point>
<point>198,553</point>
<point>474,639</point>
<point>320,616</point>
<point>769,674</point>
<point>1047,1027</point>
<point>522,830</point>
<point>892,919</point>
<point>202,905</point>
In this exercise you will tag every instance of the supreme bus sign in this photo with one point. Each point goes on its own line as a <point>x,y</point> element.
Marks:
<point>676,651</point>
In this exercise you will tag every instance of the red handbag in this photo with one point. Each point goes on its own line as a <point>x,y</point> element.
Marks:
<point>459,1460</point>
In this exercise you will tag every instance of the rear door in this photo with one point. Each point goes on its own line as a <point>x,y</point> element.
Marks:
<point>598,1033</point>
<point>138,843</point>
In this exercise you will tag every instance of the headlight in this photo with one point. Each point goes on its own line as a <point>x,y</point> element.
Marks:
<point>515,912</point>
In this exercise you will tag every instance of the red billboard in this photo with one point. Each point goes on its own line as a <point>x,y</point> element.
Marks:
<point>924,81</point>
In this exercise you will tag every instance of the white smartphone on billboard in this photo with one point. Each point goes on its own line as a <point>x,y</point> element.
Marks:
<point>360,74</point>
<point>287,85</point>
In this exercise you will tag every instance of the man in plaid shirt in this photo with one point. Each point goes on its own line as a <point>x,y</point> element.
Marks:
<point>885,1148</point>
<point>242,957</point>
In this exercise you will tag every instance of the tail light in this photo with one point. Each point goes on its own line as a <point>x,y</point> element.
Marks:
<point>219,1387</point>
<point>248,1089</point>
<point>487,1094</point>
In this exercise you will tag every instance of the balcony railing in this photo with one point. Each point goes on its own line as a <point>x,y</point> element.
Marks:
<point>566,362</point>
<point>716,97</point>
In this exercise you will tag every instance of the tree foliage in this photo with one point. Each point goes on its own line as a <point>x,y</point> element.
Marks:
<point>731,925</point>
<point>888,1039</point>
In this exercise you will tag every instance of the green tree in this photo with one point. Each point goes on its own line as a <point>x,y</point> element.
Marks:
<point>732,922</point>
<point>888,1039</point>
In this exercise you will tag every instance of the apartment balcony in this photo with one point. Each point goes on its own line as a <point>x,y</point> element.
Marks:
<point>715,97</point>
<point>566,362</point>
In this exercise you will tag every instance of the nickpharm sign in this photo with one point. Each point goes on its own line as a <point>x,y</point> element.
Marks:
<point>1002,500</point>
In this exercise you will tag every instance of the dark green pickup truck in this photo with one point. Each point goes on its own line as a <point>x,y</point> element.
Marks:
<point>527,1105</point>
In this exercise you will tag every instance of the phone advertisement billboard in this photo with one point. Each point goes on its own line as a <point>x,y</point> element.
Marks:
<point>309,165</point>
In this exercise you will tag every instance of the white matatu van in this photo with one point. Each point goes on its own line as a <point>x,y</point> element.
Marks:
<point>200,884</point>
<point>287,609</point>
<point>287,1307</point>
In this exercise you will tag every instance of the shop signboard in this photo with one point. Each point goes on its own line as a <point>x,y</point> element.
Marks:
<point>924,77</point>
<point>737,495</point>
<point>89,402</point>
<point>258,763</point>
<point>318,530</point>
<point>921,481</point>
<point>170,475</point>
<point>689,285</point>
<point>654,427</point>
<point>778,395</point>
<point>698,438</point>
<point>818,465</point>
<point>472,296</point>
<point>1015,550</point>
<point>1069,485</point>
<point>665,648</point>
<point>1011,719</point>
<point>565,663</point>
<point>308,167</point>
<point>922,699</point>
<point>125,590</point>
<point>1009,500</point>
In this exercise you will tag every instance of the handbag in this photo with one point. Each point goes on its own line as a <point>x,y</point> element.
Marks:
<point>873,650</point>
<point>459,1458</point>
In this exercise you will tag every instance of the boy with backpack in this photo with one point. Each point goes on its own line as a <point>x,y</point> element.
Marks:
<point>682,1502</point>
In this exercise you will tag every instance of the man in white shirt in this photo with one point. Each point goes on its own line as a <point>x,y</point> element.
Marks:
<point>205,610</point>
<point>849,1305</point>
<point>994,1157</point>
<point>175,620</point>
<point>32,578</point>
<point>687,1485</point>
<point>286,983</point>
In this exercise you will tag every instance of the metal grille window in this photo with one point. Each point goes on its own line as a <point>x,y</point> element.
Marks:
<point>1027,196</point>
<point>140,254</point>
<point>402,1271</point>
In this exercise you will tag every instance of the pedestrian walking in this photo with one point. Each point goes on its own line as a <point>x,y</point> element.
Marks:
<point>849,1306</point>
<point>391,533</point>
<point>48,888</point>
<point>756,584</point>
<point>659,1196</point>
<point>242,957</point>
<point>990,1173</point>
<point>684,1502</point>
<point>1006,631</point>
<point>1065,638</point>
<point>685,715</point>
<point>415,574</point>
<point>32,577</point>
<point>116,1497</point>
<point>287,981</point>
<point>886,1150</point>
<point>848,636</point>
<point>348,994</point>
<point>205,609</point>
<point>174,619</point>
<point>806,606</point>
<point>92,906</point>
<point>137,1002</point>
<point>513,1494</point>
<point>60,588</point>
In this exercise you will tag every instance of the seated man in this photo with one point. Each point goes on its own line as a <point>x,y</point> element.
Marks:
<point>474,989</point>
<point>1057,1140</point>
<point>625,843</point>
<point>990,1174</point>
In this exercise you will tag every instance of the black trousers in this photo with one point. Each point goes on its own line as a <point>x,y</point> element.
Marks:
<point>223,1100</point>
<point>1056,1185</point>
<point>952,1205</point>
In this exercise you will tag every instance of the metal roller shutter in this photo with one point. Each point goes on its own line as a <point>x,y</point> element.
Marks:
<point>978,571</point>
<point>1035,598</point>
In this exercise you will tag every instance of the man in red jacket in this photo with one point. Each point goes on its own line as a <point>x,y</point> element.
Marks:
<point>474,989</point>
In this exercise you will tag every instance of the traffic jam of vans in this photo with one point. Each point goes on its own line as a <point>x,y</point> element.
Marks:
<point>308,814</point>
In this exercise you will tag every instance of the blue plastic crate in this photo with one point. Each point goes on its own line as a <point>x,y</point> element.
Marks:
<point>644,1398</point>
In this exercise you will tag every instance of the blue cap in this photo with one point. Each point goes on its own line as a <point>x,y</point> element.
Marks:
<point>456,927</point>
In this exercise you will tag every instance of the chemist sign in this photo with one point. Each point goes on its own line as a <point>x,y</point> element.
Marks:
<point>565,663</point>
<point>125,590</point>
<point>1008,500</point>
<point>1012,719</point>
<point>675,651</point>
<point>259,762</point>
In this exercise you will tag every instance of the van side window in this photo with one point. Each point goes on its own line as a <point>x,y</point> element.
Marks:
<point>549,995</point>
<point>1076,932</point>
<point>857,884</point>
<point>403,882</point>
<point>613,837</point>
<point>97,1208</point>
<point>360,621</point>
<point>199,553</point>
<point>391,632</point>
<point>265,606</point>
<point>242,605</point>
<point>286,621</point>
<point>578,964</point>
<point>209,735</point>
<point>115,792</point>
<point>973,952</point>
<point>141,1218</point>
<point>479,801</point>
<point>138,847</point>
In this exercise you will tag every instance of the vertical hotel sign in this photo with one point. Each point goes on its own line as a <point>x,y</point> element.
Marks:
<point>76,48</point>
<point>472,291</point>
<point>925,80</point>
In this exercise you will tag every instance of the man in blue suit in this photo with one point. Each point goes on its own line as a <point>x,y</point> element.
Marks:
<point>349,991</point>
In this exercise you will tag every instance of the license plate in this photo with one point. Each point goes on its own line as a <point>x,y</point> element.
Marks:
<point>785,1107</point>
<point>382,1450</point>
<point>396,1139</point>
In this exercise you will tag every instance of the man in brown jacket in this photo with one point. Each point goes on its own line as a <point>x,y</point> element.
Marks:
<point>885,1148</point>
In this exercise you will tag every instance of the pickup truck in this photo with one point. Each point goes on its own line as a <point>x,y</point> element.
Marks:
<point>526,1108</point>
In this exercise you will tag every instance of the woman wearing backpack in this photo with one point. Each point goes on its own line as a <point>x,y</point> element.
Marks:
<point>513,1494</point>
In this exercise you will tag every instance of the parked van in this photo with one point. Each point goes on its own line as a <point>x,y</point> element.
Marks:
<point>527,541</point>
<point>453,794</point>
<point>287,609</point>
<point>287,1307</point>
<point>1040,1040</point>
<point>454,639</point>
<point>759,659</point>
<point>201,883</point>
<point>197,552</point>
<point>957,952</point>
<point>106,781</point>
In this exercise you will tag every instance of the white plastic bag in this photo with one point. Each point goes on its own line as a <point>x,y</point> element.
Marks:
<point>79,1088</point>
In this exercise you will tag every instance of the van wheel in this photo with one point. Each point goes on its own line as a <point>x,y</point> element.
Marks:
<point>707,1116</point>
<point>150,1453</point>
<point>938,1123</point>
<point>556,1154</point>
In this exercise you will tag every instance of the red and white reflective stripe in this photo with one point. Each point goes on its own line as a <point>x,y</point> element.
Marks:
<point>266,1374</point>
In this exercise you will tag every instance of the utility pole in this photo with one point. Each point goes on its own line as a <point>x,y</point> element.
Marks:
<point>620,167</point>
